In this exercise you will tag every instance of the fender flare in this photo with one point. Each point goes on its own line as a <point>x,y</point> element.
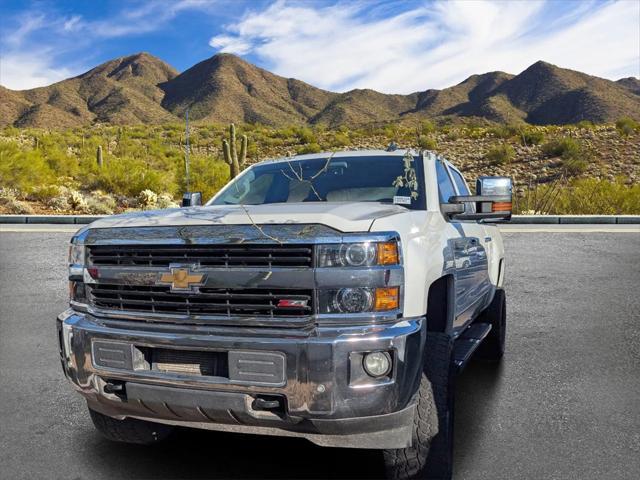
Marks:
<point>441,304</point>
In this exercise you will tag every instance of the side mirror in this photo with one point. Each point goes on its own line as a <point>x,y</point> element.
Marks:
<point>492,199</point>
<point>192,199</point>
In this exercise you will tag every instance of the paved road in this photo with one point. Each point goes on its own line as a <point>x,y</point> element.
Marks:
<point>565,404</point>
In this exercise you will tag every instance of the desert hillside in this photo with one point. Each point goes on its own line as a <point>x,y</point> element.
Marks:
<point>142,89</point>
<point>107,169</point>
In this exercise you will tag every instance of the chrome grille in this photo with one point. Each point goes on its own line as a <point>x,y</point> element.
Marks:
<point>207,301</point>
<point>205,255</point>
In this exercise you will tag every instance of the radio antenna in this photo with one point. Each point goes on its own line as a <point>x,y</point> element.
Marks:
<point>186,152</point>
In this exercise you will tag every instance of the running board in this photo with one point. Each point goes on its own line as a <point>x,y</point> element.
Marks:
<point>467,343</point>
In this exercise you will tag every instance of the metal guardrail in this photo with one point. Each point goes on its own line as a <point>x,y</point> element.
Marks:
<point>516,219</point>
<point>58,219</point>
<point>576,219</point>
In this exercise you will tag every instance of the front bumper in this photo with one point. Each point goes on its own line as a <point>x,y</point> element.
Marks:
<point>324,396</point>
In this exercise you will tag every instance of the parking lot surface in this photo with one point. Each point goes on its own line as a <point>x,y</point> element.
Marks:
<point>564,404</point>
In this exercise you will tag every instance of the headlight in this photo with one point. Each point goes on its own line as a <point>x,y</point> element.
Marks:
<point>76,254</point>
<point>76,273</point>
<point>363,254</point>
<point>353,300</point>
<point>359,300</point>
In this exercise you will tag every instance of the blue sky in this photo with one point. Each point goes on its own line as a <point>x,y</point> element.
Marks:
<point>393,46</point>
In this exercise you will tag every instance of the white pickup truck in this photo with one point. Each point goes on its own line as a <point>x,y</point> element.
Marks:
<point>332,297</point>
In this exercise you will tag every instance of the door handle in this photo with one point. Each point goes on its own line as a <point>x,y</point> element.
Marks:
<point>487,239</point>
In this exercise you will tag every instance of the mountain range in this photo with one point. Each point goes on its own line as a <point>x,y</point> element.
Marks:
<point>142,89</point>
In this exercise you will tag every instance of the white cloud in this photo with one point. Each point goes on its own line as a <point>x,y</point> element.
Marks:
<point>21,72</point>
<point>229,44</point>
<point>149,17</point>
<point>27,24</point>
<point>437,44</point>
<point>72,23</point>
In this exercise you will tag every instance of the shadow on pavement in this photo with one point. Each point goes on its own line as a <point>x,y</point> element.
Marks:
<point>204,454</point>
<point>476,394</point>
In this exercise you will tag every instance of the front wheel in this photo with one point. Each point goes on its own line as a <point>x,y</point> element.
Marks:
<point>431,454</point>
<point>129,430</point>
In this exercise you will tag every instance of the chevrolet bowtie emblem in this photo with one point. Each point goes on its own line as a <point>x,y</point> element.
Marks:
<point>181,279</point>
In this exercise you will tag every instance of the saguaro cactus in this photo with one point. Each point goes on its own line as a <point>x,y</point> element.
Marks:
<point>99,156</point>
<point>231,156</point>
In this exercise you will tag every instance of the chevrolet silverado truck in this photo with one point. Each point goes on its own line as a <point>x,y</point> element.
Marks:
<point>332,297</point>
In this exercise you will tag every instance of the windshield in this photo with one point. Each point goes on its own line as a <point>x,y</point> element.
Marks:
<point>391,179</point>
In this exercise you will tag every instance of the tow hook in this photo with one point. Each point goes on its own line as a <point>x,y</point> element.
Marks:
<point>114,388</point>
<point>266,403</point>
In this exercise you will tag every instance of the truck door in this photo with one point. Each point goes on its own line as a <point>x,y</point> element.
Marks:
<point>468,248</point>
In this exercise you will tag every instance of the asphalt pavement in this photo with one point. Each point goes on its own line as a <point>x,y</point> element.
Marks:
<point>564,404</point>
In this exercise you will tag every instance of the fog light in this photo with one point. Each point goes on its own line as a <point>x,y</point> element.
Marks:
<point>377,364</point>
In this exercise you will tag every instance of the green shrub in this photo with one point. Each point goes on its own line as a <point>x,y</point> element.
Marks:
<point>504,131</point>
<point>44,193</point>
<point>341,139</point>
<point>425,127</point>
<point>129,176</point>
<point>427,142</point>
<point>575,166</point>
<point>61,162</point>
<point>10,131</point>
<point>567,148</point>
<point>391,131</point>
<point>594,196</point>
<point>451,134</point>
<point>305,135</point>
<point>586,125</point>
<point>23,170</point>
<point>626,126</point>
<point>309,148</point>
<point>500,154</point>
<point>207,176</point>
<point>530,136</point>
<point>472,132</point>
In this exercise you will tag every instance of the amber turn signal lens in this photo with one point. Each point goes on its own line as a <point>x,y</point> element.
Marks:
<point>388,253</point>
<point>387,298</point>
<point>501,207</point>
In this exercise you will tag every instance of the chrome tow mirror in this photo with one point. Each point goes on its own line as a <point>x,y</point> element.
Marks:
<point>492,199</point>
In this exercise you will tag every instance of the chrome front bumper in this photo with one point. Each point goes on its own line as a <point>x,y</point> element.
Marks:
<point>325,396</point>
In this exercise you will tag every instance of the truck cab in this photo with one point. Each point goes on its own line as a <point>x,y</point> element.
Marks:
<point>332,297</point>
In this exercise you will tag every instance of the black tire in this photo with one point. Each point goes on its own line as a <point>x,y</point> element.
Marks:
<point>492,347</point>
<point>130,430</point>
<point>431,455</point>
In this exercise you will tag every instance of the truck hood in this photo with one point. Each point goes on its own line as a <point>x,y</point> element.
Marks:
<point>345,217</point>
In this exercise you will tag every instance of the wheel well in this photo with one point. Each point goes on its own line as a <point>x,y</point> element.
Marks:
<point>440,304</point>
